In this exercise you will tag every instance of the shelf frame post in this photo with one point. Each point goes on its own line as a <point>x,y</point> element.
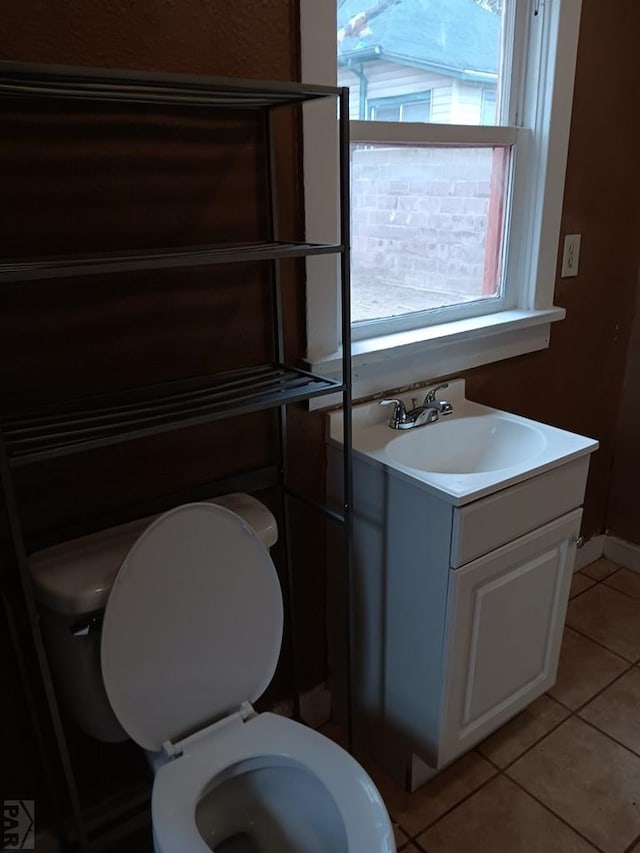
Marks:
<point>29,604</point>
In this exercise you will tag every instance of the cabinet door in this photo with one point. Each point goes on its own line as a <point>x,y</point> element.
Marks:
<point>505,618</point>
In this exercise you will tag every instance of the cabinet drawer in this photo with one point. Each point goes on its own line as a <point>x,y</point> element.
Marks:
<point>491,522</point>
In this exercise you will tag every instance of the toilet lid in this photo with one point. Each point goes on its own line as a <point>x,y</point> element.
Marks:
<point>193,625</point>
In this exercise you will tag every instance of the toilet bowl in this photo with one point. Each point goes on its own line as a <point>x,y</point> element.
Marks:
<point>191,636</point>
<point>267,785</point>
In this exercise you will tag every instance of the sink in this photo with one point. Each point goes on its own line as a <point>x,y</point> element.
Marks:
<point>476,451</point>
<point>471,445</point>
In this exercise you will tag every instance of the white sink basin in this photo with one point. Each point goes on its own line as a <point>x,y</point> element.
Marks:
<point>465,456</point>
<point>468,445</point>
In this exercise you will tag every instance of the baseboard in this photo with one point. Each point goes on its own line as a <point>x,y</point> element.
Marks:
<point>419,774</point>
<point>590,552</point>
<point>624,553</point>
<point>315,706</point>
<point>283,709</point>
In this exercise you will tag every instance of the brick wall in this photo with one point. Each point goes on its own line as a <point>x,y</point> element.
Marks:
<point>419,227</point>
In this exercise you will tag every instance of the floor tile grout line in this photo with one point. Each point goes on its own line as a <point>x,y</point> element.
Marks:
<point>555,814</point>
<point>599,580</point>
<point>632,845</point>
<point>615,589</point>
<point>603,582</point>
<point>532,745</point>
<point>502,770</point>
<point>598,693</point>
<point>491,761</point>
<point>572,712</point>
<point>560,702</point>
<point>576,713</point>
<point>596,581</point>
<point>611,737</point>
<point>603,689</point>
<point>413,836</point>
<point>630,661</point>
<point>416,844</point>
<point>582,591</point>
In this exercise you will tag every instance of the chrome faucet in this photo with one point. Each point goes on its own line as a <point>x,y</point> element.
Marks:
<point>419,415</point>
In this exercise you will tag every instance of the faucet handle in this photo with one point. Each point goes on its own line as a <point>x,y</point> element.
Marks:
<point>431,395</point>
<point>399,414</point>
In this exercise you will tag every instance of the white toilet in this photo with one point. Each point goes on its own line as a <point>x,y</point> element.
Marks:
<point>190,637</point>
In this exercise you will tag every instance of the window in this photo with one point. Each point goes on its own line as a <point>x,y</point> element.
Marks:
<point>428,221</point>
<point>488,107</point>
<point>455,210</point>
<point>411,107</point>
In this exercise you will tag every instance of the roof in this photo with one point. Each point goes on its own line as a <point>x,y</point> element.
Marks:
<point>456,37</point>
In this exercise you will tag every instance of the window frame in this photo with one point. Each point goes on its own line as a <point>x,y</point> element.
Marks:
<point>484,99</point>
<point>538,122</point>
<point>448,136</point>
<point>422,96</point>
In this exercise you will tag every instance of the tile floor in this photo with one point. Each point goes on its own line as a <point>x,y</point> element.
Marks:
<point>564,775</point>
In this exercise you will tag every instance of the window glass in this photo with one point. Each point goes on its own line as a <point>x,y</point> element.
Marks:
<point>427,226</point>
<point>452,48</point>
<point>385,112</point>
<point>416,110</point>
<point>428,220</point>
<point>410,108</point>
<point>488,115</point>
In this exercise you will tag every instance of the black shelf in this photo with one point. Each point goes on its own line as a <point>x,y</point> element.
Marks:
<point>61,266</point>
<point>57,430</point>
<point>98,421</point>
<point>100,84</point>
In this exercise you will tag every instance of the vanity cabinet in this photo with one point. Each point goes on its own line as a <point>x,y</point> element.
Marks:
<point>459,610</point>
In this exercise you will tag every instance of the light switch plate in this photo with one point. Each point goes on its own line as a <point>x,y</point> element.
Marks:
<point>570,255</point>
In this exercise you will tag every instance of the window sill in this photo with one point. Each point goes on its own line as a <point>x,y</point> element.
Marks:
<point>403,358</point>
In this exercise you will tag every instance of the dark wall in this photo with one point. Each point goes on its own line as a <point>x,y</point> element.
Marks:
<point>79,178</point>
<point>255,38</point>
<point>577,382</point>
<point>163,176</point>
<point>623,511</point>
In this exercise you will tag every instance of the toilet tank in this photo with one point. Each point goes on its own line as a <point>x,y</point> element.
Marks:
<point>72,582</point>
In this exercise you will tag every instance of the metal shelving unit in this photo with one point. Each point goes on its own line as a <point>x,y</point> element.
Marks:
<point>158,259</point>
<point>75,426</point>
<point>102,420</point>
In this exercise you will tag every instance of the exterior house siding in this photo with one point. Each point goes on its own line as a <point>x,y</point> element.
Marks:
<point>390,79</point>
<point>467,103</point>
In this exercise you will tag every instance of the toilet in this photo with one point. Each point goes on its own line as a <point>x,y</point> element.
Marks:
<point>190,638</point>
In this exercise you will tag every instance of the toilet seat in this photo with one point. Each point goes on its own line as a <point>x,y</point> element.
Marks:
<point>179,784</point>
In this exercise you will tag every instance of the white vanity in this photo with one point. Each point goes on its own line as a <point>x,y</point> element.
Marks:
<point>464,542</point>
